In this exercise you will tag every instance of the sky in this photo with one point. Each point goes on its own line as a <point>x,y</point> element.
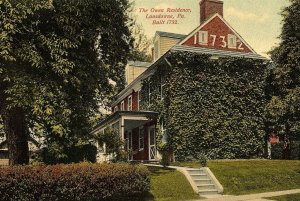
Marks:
<point>258,21</point>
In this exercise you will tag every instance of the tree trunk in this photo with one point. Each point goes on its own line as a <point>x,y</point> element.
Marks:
<point>15,130</point>
<point>17,136</point>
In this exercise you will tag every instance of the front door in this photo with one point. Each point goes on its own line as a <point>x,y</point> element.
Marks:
<point>152,147</point>
<point>129,145</point>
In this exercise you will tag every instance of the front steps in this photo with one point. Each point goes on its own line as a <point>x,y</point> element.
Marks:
<point>205,184</point>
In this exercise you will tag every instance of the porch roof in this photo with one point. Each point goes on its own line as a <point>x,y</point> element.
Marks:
<point>118,114</point>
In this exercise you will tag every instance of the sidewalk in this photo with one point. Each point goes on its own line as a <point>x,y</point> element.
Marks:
<point>252,197</point>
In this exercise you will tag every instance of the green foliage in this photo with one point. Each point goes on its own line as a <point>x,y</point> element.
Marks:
<point>203,160</point>
<point>74,154</point>
<point>214,107</point>
<point>73,182</point>
<point>56,60</point>
<point>283,108</point>
<point>292,197</point>
<point>254,176</point>
<point>277,150</point>
<point>141,45</point>
<point>170,185</point>
<point>114,144</point>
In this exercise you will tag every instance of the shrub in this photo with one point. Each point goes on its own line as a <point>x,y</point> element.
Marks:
<point>73,154</point>
<point>203,160</point>
<point>74,182</point>
<point>277,150</point>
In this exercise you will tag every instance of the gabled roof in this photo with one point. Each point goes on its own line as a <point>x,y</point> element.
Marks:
<point>215,52</point>
<point>180,47</point>
<point>170,35</point>
<point>208,21</point>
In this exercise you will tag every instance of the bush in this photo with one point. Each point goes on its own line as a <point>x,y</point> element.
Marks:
<point>203,160</point>
<point>74,182</point>
<point>74,154</point>
<point>277,150</point>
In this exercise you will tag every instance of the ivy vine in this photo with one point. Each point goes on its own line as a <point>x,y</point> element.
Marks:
<point>209,106</point>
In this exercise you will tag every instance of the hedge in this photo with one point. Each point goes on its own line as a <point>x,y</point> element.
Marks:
<point>74,182</point>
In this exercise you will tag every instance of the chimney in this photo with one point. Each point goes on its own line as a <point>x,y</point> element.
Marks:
<point>210,7</point>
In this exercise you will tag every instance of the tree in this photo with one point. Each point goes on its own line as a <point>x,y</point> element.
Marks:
<point>141,44</point>
<point>283,109</point>
<point>56,60</point>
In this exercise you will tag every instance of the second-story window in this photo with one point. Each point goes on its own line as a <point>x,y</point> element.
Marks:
<point>116,109</point>
<point>130,103</point>
<point>122,106</point>
<point>149,93</point>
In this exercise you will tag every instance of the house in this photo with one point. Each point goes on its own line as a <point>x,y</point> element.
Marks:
<point>132,117</point>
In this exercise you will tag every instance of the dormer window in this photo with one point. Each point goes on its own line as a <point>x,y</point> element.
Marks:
<point>231,41</point>
<point>203,37</point>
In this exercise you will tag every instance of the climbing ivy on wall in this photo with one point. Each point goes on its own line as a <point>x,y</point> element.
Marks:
<point>210,106</point>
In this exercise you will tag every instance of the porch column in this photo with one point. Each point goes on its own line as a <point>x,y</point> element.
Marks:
<point>122,129</point>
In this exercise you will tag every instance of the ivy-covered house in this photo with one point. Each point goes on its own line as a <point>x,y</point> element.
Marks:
<point>203,94</point>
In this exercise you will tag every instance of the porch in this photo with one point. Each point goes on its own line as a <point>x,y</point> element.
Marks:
<point>137,130</point>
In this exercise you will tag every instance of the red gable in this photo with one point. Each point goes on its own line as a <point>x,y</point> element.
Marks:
<point>216,33</point>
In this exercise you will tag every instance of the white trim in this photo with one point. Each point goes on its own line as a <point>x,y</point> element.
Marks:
<point>129,97</point>
<point>226,23</point>
<point>143,129</point>
<point>128,143</point>
<point>149,148</point>
<point>122,108</point>
<point>234,40</point>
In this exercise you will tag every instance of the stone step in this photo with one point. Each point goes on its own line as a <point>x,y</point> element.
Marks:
<point>208,192</point>
<point>195,171</point>
<point>202,181</point>
<point>206,187</point>
<point>199,176</point>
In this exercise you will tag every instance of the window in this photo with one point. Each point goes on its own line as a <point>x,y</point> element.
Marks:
<point>130,103</point>
<point>163,132</point>
<point>122,106</point>
<point>116,108</point>
<point>231,41</point>
<point>162,86</point>
<point>203,37</point>
<point>149,93</point>
<point>141,138</point>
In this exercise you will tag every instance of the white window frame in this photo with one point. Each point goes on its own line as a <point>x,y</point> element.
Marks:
<point>232,38</point>
<point>116,108</point>
<point>122,106</point>
<point>129,103</point>
<point>162,84</point>
<point>203,37</point>
<point>141,137</point>
<point>149,94</point>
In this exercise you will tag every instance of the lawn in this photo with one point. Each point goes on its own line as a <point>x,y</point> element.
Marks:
<point>293,197</point>
<point>169,185</point>
<point>254,176</point>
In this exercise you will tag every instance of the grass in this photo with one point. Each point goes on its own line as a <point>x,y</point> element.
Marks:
<point>170,185</point>
<point>254,176</point>
<point>292,197</point>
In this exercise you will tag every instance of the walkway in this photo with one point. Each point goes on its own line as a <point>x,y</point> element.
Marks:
<point>253,197</point>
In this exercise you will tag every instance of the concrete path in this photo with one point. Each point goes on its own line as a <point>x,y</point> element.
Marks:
<point>252,197</point>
